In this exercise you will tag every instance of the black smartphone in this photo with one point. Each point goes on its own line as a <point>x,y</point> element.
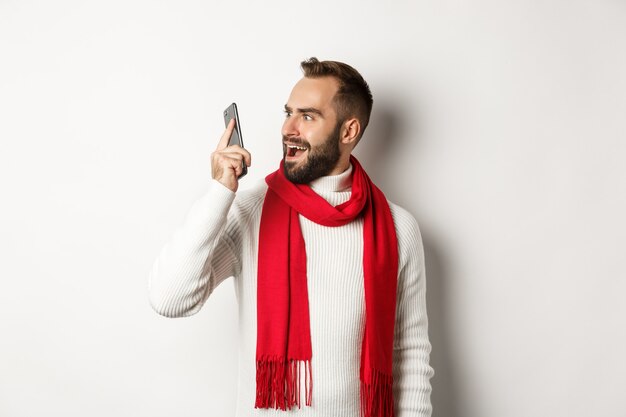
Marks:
<point>235,138</point>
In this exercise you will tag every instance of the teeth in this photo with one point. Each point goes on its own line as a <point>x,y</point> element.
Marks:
<point>302,148</point>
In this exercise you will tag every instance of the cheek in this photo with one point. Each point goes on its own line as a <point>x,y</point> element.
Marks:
<point>315,135</point>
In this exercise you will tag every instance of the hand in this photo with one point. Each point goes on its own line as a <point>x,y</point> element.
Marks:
<point>227,161</point>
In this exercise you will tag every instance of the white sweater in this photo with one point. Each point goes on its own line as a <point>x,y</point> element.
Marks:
<point>218,239</point>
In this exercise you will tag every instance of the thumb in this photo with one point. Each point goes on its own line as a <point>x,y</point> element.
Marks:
<point>223,143</point>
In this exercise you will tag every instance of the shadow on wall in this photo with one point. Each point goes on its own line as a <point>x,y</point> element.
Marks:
<point>379,151</point>
<point>444,395</point>
<point>376,149</point>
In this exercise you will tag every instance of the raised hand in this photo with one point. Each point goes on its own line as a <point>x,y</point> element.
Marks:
<point>226,161</point>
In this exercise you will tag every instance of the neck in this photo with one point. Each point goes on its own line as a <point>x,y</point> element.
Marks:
<point>342,165</point>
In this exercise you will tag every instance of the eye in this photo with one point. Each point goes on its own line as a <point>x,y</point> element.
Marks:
<point>307,117</point>
<point>287,113</point>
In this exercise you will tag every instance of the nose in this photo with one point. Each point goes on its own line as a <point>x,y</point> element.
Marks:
<point>290,127</point>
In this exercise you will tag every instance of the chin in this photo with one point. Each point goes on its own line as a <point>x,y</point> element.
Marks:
<point>296,174</point>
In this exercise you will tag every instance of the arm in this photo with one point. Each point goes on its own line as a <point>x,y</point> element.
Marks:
<point>200,254</point>
<point>411,354</point>
<point>198,257</point>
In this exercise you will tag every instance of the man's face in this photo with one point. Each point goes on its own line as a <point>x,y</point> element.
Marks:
<point>311,130</point>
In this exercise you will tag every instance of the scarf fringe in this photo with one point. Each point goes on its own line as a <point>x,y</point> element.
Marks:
<point>377,396</point>
<point>278,383</point>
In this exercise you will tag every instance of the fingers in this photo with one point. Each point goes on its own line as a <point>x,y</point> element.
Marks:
<point>230,163</point>
<point>244,153</point>
<point>227,165</point>
<point>223,143</point>
<point>227,161</point>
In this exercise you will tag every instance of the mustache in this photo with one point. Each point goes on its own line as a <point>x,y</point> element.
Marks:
<point>297,141</point>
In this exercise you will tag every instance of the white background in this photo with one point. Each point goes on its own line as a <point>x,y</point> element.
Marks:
<point>499,124</point>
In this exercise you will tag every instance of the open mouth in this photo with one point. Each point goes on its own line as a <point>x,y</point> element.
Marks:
<point>294,151</point>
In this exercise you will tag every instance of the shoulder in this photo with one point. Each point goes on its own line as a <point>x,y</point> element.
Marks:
<point>408,233</point>
<point>405,223</point>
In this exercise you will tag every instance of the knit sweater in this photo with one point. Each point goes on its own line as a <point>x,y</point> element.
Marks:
<point>219,239</point>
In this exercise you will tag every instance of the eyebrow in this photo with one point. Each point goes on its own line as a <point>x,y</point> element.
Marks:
<point>305,110</point>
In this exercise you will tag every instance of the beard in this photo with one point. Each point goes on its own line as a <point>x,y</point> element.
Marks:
<point>320,160</point>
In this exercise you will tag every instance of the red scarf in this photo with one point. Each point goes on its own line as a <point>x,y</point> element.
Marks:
<point>283,332</point>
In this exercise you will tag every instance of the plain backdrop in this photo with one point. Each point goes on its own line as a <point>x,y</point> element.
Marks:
<point>500,125</point>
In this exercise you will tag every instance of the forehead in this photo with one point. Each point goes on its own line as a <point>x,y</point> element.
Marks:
<point>314,92</point>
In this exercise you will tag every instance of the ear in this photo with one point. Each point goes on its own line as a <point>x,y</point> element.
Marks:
<point>350,132</point>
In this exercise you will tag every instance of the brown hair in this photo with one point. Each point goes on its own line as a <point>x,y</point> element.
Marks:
<point>353,98</point>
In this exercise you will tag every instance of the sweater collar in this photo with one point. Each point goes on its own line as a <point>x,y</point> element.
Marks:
<point>333,183</point>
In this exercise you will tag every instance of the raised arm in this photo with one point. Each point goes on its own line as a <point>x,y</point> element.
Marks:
<point>200,255</point>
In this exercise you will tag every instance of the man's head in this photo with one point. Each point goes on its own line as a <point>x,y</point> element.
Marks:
<point>326,115</point>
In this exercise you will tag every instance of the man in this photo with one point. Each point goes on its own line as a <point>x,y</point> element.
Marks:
<point>329,276</point>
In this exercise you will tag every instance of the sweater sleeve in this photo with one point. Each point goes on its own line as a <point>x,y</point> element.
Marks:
<point>197,258</point>
<point>412,371</point>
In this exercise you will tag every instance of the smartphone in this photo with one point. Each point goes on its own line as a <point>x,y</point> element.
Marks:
<point>235,138</point>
